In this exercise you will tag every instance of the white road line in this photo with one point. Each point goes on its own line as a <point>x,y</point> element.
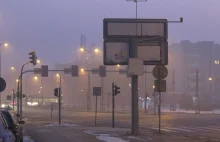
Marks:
<point>180,129</point>
<point>163,129</point>
<point>195,128</point>
<point>210,128</point>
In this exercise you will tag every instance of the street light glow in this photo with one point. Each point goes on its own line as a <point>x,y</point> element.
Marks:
<point>41,87</point>
<point>96,50</point>
<point>82,69</point>
<point>57,75</point>
<point>12,68</point>
<point>118,65</point>
<point>38,61</point>
<point>217,62</point>
<point>210,79</point>
<point>17,80</point>
<point>6,44</point>
<point>35,78</point>
<point>153,86</point>
<point>82,49</point>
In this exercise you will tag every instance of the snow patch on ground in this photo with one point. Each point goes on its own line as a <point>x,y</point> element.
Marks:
<point>61,125</point>
<point>105,137</point>
<point>132,137</point>
<point>27,139</point>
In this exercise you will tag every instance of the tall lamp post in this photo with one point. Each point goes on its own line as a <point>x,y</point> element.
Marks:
<point>96,51</point>
<point>1,46</point>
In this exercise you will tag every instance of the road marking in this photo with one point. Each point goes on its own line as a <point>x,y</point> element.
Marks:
<point>210,128</point>
<point>164,129</point>
<point>180,129</point>
<point>195,128</point>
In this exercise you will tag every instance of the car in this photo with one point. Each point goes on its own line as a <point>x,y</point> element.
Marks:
<point>6,135</point>
<point>13,122</point>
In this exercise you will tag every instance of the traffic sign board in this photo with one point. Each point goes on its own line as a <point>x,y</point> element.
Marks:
<point>160,72</point>
<point>96,91</point>
<point>2,84</point>
<point>160,85</point>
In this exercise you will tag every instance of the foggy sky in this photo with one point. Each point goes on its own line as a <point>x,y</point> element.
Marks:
<point>53,27</point>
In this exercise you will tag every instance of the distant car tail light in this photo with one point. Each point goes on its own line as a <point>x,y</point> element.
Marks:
<point>1,139</point>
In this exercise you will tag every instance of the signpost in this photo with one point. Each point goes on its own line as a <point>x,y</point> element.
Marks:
<point>2,84</point>
<point>143,39</point>
<point>160,72</point>
<point>96,93</point>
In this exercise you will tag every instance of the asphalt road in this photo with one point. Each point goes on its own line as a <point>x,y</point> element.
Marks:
<point>187,125</point>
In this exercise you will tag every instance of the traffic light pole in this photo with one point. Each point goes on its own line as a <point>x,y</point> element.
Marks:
<point>113,105</point>
<point>21,95</point>
<point>60,102</point>
<point>13,99</point>
<point>134,99</point>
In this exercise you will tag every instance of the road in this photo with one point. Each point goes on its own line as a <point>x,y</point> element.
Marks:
<point>190,126</point>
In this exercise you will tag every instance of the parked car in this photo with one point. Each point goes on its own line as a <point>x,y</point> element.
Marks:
<point>6,135</point>
<point>13,122</point>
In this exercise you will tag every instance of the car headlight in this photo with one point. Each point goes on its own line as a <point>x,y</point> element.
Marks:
<point>3,105</point>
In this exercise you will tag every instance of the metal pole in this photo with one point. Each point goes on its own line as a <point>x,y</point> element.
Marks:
<point>102,94</point>
<point>88,93</point>
<point>96,105</point>
<point>134,90</point>
<point>159,101</point>
<point>13,99</point>
<point>60,102</point>
<point>113,105</point>
<point>0,71</point>
<point>197,91</point>
<point>42,89</point>
<point>18,97</point>
<point>21,97</point>
<point>145,99</point>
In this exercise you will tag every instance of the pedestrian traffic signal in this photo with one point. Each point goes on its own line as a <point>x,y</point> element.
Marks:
<point>56,92</point>
<point>117,90</point>
<point>33,58</point>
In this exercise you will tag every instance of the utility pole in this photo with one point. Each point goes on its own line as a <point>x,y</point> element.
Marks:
<point>145,92</point>
<point>13,99</point>
<point>60,95</point>
<point>173,89</point>
<point>102,94</point>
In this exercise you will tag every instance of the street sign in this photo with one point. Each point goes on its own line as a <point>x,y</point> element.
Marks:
<point>102,71</point>
<point>9,98</point>
<point>2,84</point>
<point>160,72</point>
<point>125,28</point>
<point>135,66</point>
<point>116,52</point>
<point>153,52</point>
<point>160,85</point>
<point>96,91</point>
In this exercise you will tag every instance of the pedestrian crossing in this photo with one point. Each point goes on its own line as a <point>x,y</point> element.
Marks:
<point>189,129</point>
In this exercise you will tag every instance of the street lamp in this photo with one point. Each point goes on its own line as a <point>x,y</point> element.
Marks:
<point>57,75</point>
<point>210,79</point>
<point>81,49</point>
<point>82,70</point>
<point>17,80</point>
<point>96,50</point>
<point>35,78</point>
<point>118,65</point>
<point>38,61</point>
<point>153,87</point>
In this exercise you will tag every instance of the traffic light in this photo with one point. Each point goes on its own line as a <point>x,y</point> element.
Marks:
<point>56,92</point>
<point>117,90</point>
<point>33,58</point>
<point>102,71</point>
<point>44,70</point>
<point>74,70</point>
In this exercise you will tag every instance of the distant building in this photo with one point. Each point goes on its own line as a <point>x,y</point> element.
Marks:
<point>185,58</point>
